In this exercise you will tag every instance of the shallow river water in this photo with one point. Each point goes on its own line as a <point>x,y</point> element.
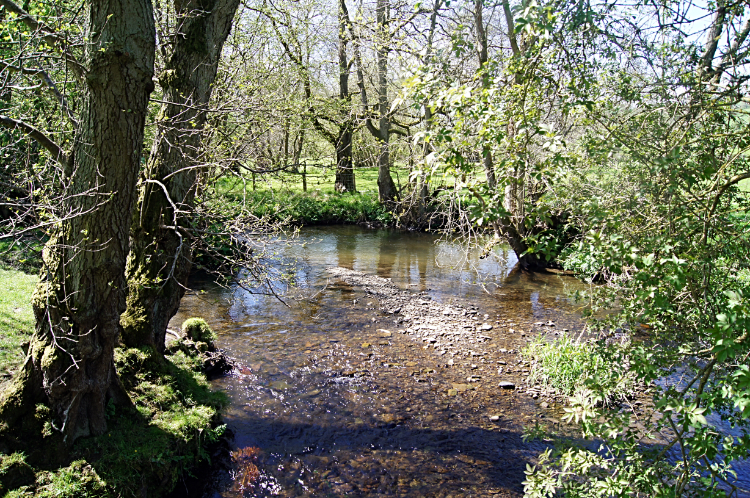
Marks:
<point>334,397</point>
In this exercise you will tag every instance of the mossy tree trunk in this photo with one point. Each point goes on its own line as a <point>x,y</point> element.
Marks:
<point>70,363</point>
<point>161,256</point>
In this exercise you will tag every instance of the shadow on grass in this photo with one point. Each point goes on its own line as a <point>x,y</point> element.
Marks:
<point>148,448</point>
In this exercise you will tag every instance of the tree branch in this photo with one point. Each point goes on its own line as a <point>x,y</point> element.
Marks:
<point>47,82</point>
<point>58,154</point>
<point>48,34</point>
<point>712,41</point>
<point>511,28</point>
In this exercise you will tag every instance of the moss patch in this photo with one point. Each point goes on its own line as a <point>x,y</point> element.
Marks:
<point>197,330</point>
<point>147,448</point>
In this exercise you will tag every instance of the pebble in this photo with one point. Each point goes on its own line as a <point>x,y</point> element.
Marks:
<point>495,418</point>
<point>462,387</point>
<point>506,385</point>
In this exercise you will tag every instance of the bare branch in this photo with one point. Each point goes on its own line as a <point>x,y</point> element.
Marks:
<point>49,35</point>
<point>47,82</point>
<point>58,154</point>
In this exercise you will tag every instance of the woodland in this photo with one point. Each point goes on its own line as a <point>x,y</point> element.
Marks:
<point>141,140</point>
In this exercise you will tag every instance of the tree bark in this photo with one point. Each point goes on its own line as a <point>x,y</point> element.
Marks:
<point>387,191</point>
<point>345,181</point>
<point>77,304</point>
<point>161,256</point>
<point>482,53</point>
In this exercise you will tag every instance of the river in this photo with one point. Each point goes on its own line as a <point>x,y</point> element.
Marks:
<point>337,396</point>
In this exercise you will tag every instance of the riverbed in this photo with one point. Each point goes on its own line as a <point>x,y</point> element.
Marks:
<point>338,393</point>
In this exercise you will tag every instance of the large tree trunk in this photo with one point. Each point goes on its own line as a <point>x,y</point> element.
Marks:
<point>161,257</point>
<point>386,188</point>
<point>70,362</point>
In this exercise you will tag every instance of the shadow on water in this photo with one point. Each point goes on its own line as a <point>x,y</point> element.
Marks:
<point>314,460</point>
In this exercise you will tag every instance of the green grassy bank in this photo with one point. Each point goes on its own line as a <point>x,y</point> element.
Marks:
<point>281,199</point>
<point>147,449</point>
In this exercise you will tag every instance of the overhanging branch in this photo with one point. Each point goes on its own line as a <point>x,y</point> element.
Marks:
<point>46,80</point>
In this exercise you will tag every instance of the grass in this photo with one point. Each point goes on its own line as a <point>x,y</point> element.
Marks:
<point>321,179</point>
<point>16,317</point>
<point>568,366</point>
<point>146,449</point>
<point>292,206</point>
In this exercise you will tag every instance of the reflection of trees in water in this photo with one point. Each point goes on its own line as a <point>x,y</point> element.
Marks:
<point>405,258</point>
<point>417,267</point>
<point>346,245</point>
<point>532,294</point>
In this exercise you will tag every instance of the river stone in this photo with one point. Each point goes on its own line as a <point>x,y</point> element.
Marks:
<point>495,418</point>
<point>506,385</point>
<point>486,326</point>
<point>279,385</point>
<point>544,404</point>
<point>462,387</point>
<point>388,418</point>
<point>452,392</point>
<point>366,345</point>
<point>385,333</point>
